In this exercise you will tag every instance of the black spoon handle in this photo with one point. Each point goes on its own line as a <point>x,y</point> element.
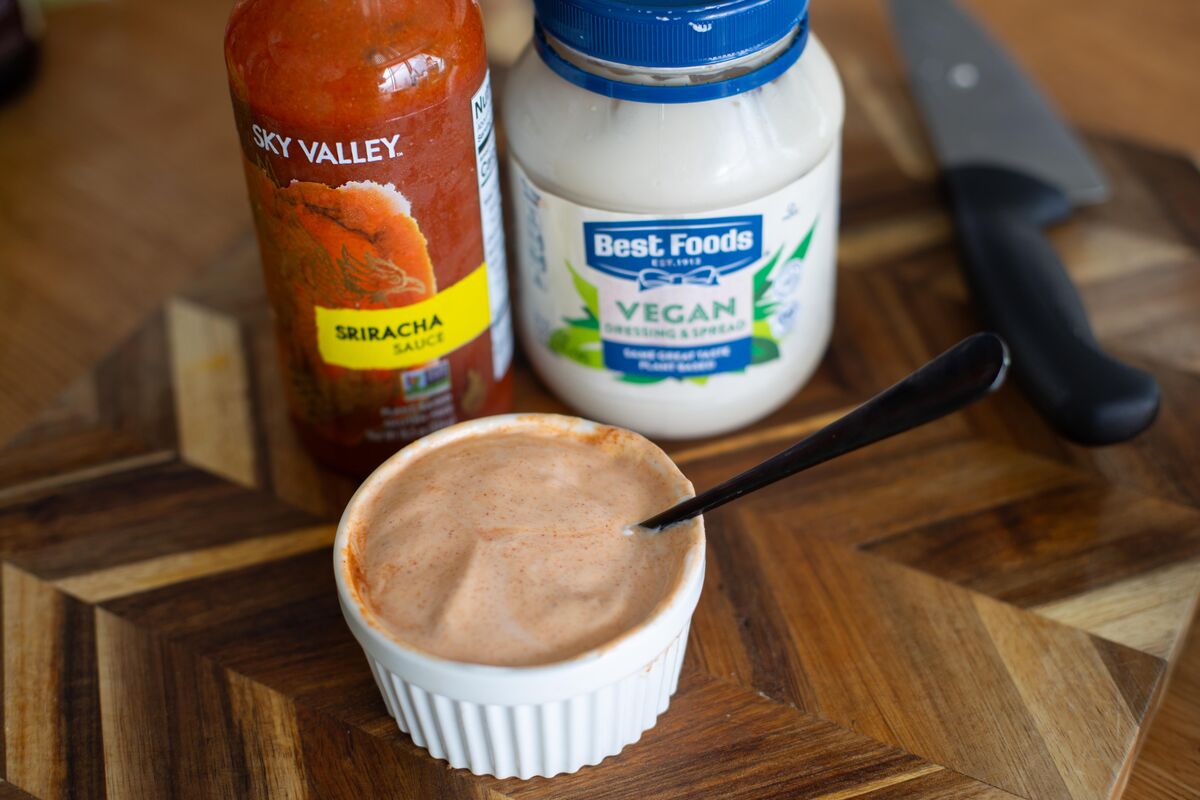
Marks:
<point>971,369</point>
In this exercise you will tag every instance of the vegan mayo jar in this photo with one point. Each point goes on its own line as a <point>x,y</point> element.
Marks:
<point>674,172</point>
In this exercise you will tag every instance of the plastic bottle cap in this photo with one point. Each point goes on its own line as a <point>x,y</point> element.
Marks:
<point>669,34</point>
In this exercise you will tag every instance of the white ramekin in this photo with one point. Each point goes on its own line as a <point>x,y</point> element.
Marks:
<point>524,721</point>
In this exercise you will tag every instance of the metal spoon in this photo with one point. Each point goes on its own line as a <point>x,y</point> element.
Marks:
<point>968,371</point>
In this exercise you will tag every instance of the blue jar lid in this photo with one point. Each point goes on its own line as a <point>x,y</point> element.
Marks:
<point>669,33</point>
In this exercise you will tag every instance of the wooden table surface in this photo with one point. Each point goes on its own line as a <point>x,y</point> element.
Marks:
<point>122,191</point>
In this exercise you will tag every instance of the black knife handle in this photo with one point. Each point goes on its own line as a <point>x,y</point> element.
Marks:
<point>1020,285</point>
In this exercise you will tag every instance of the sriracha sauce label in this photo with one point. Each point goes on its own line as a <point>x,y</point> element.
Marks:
<point>382,252</point>
<point>409,335</point>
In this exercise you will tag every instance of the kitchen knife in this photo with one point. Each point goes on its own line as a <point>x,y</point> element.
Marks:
<point>1012,167</point>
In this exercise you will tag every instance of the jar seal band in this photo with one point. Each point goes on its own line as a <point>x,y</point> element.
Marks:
<point>690,93</point>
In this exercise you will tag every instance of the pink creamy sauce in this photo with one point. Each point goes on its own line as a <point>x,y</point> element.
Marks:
<point>511,548</point>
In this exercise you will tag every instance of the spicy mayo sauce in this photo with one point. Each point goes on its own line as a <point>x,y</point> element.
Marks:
<point>366,130</point>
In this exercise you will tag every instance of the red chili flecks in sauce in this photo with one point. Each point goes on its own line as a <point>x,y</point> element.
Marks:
<point>370,161</point>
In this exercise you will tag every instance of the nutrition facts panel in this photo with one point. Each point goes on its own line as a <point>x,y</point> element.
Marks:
<point>493,226</point>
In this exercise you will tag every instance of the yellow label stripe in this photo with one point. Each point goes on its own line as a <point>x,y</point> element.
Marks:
<point>394,338</point>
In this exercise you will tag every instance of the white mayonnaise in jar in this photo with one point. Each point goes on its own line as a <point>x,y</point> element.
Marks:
<point>674,171</point>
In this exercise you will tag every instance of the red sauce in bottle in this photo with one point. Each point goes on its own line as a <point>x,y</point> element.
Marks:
<point>366,129</point>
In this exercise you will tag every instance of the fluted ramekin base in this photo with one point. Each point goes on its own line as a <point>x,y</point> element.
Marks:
<point>542,739</point>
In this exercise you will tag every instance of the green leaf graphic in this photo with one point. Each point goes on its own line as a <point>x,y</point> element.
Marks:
<point>581,345</point>
<point>802,249</point>
<point>589,322</point>
<point>762,350</point>
<point>761,282</point>
<point>587,292</point>
<point>764,310</point>
<point>641,379</point>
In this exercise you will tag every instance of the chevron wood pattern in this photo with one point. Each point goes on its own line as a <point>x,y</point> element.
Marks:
<point>975,610</point>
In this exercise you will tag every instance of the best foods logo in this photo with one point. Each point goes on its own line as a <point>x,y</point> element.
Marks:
<point>683,252</point>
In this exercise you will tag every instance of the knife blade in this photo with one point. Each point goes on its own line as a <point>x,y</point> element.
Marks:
<point>1012,168</point>
<point>971,93</point>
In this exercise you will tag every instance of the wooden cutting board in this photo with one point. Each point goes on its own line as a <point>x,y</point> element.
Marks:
<point>976,609</point>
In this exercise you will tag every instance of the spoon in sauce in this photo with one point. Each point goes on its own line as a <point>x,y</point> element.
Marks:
<point>968,371</point>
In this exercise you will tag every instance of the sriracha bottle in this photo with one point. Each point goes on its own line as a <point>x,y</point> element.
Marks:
<point>367,141</point>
